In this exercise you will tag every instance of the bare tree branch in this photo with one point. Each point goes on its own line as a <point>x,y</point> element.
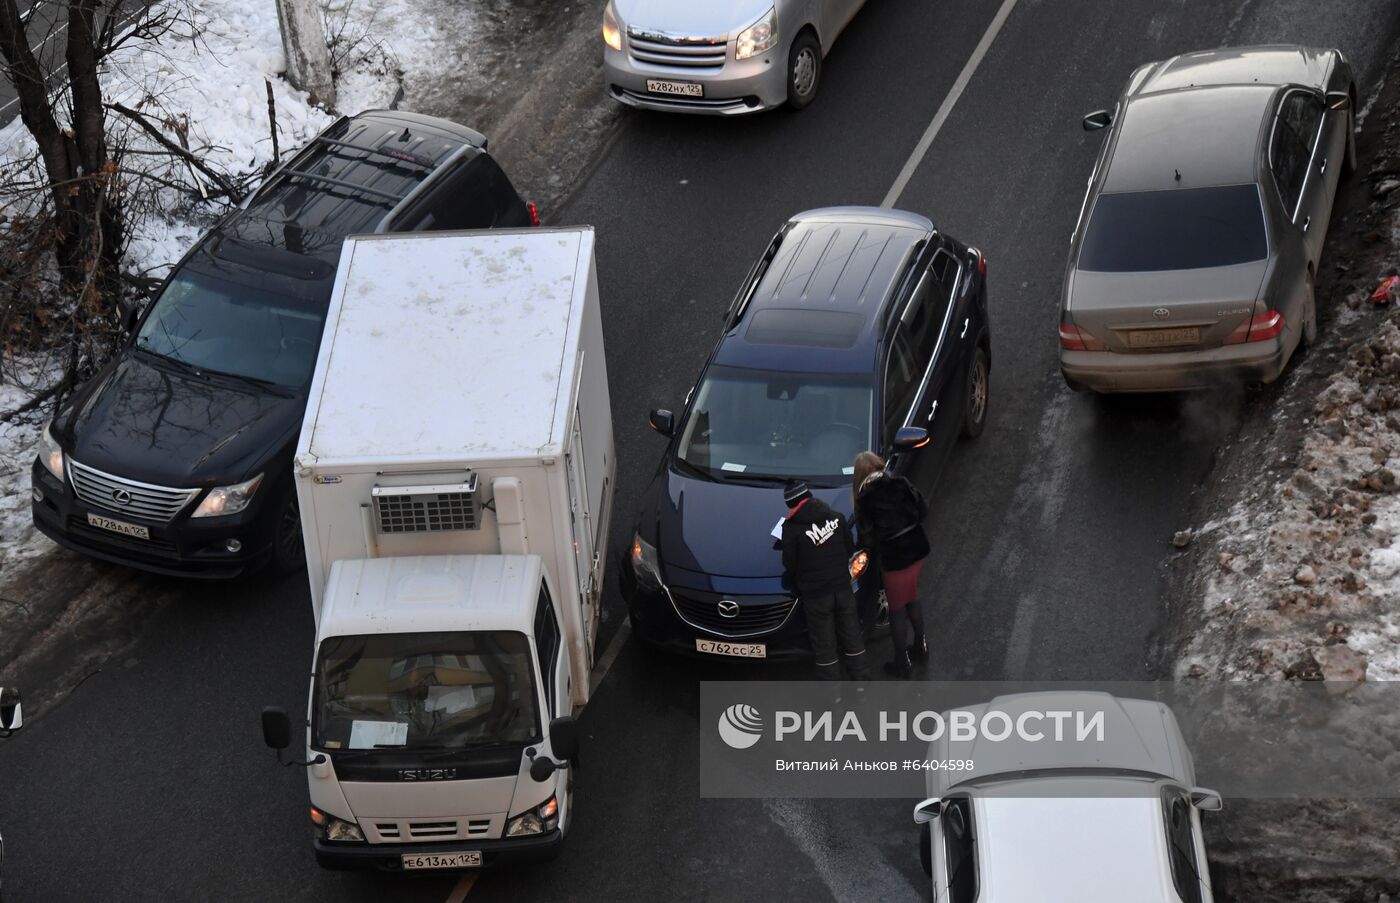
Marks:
<point>218,178</point>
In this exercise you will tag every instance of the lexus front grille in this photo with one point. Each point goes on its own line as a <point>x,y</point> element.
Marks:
<point>122,496</point>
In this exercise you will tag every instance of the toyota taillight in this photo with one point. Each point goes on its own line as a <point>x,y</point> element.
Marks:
<point>1072,338</point>
<point>534,213</point>
<point>1258,328</point>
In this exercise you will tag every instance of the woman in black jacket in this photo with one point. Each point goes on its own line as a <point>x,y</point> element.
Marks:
<point>890,515</point>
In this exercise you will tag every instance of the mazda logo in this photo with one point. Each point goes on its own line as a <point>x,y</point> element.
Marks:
<point>121,496</point>
<point>1161,313</point>
<point>728,608</point>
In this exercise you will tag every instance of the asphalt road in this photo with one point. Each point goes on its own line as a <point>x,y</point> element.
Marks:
<point>1049,532</point>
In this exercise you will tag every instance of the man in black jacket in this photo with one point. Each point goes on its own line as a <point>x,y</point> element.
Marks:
<point>816,553</point>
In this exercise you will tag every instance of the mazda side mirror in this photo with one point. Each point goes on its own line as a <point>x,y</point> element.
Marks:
<point>1206,800</point>
<point>11,712</point>
<point>1097,120</point>
<point>910,437</point>
<point>1338,100</point>
<point>277,729</point>
<point>928,810</point>
<point>663,421</point>
<point>563,737</point>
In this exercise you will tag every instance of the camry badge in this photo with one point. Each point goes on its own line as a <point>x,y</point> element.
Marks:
<point>728,608</point>
<point>1161,313</point>
<point>121,496</point>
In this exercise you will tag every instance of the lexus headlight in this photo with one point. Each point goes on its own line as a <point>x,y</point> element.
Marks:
<point>645,563</point>
<point>612,31</point>
<point>539,820</point>
<point>50,452</point>
<point>758,37</point>
<point>228,499</point>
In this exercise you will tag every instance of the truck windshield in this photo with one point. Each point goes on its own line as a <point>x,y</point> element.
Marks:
<point>425,690</point>
<point>223,327</point>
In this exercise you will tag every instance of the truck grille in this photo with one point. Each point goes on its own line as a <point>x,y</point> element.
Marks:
<point>426,509</point>
<point>756,614</point>
<point>671,50</point>
<point>128,497</point>
<point>445,829</point>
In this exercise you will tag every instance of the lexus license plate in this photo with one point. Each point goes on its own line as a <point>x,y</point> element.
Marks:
<point>119,526</point>
<point>680,89</point>
<point>467,860</point>
<point>738,650</point>
<point>1163,338</point>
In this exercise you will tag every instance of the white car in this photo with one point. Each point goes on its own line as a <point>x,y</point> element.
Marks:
<point>1051,824</point>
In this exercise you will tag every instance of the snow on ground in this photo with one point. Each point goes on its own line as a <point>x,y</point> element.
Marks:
<point>18,538</point>
<point>388,48</point>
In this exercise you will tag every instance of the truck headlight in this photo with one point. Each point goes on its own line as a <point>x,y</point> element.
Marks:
<point>228,499</point>
<point>539,820</point>
<point>758,37</point>
<point>612,30</point>
<point>645,563</point>
<point>50,453</point>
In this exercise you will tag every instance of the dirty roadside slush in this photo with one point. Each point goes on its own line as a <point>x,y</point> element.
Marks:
<point>528,75</point>
<point>1293,569</point>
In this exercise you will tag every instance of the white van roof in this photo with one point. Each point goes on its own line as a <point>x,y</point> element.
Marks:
<point>449,345</point>
<point>431,593</point>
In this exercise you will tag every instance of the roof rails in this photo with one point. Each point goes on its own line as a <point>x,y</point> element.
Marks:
<point>446,166</point>
<point>396,155</point>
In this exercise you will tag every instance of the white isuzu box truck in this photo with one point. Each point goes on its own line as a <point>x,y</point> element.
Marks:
<point>454,474</point>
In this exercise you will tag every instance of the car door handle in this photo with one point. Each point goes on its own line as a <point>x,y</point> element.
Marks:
<point>1307,221</point>
<point>932,412</point>
<point>963,334</point>
<point>1323,168</point>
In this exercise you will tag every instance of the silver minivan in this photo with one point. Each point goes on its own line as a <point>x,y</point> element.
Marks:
<point>726,57</point>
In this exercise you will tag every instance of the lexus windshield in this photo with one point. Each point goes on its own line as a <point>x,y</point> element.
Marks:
<point>756,423</point>
<point>425,690</point>
<point>224,327</point>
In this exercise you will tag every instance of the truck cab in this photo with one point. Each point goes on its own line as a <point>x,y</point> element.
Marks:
<point>438,729</point>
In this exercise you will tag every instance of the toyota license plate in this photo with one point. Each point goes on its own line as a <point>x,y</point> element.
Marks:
<point>468,860</point>
<point>119,526</point>
<point>1162,338</point>
<point>738,650</point>
<point>681,89</point>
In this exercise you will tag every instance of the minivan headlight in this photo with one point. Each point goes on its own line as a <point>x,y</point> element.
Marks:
<point>539,820</point>
<point>51,453</point>
<point>612,31</point>
<point>758,37</point>
<point>228,499</point>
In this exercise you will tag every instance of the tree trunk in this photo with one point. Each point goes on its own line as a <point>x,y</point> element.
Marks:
<point>308,57</point>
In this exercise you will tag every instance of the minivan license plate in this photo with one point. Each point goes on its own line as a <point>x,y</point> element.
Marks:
<point>738,650</point>
<point>119,526</point>
<point>468,860</point>
<point>683,89</point>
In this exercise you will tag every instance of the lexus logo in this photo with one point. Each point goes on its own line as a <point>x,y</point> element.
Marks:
<point>728,608</point>
<point>1161,313</point>
<point>121,496</point>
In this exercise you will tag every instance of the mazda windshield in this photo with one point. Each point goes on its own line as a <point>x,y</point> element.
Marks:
<point>765,424</point>
<point>425,691</point>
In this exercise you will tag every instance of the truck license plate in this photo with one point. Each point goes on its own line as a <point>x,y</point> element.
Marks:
<point>738,650</point>
<point>466,860</point>
<point>683,89</point>
<point>119,526</point>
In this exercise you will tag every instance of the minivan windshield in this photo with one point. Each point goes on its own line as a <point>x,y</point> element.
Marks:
<point>225,327</point>
<point>763,423</point>
<point>425,691</point>
<point>1175,229</point>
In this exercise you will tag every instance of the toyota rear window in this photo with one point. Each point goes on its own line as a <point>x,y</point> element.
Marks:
<point>1175,229</point>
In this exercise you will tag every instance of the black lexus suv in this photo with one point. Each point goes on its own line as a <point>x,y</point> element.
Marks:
<point>176,457</point>
<point>858,328</point>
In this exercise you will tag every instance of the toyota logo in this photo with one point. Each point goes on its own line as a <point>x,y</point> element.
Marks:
<point>728,608</point>
<point>1161,313</point>
<point>121,496</point>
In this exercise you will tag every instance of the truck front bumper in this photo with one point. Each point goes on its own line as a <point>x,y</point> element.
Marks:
<point>389,857</point>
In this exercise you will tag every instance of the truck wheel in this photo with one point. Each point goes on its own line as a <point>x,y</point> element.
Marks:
<point>804,70</point>
<point>979,395</point>
<point>288,553</point>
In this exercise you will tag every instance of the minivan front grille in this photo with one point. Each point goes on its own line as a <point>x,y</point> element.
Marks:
<point>671,50</point>
<point>752,615</point>
<point>128,497</point>
<point>426,509</point>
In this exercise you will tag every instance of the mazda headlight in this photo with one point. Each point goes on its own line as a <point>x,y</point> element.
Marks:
<point>645,563</point>
<point>540,820</point>
<point>758,37</point>
<point>228,499</point>
<point>50,453</point>
<point>612,30</point>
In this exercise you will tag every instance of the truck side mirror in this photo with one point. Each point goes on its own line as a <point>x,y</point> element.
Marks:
<point>277,729</point>
<point>1097,120</point>
<point>11,712</point>
<point>563,737</point>
<point>663,421</point>
<point>542,768</point>
<point>910,437</point>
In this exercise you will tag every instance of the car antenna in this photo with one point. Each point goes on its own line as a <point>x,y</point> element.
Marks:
<point>406,134</point>
<point>1178,174</point>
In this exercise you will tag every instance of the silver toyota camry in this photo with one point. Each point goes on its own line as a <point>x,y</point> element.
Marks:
<point>723,57</point>
<point>1195,256</point>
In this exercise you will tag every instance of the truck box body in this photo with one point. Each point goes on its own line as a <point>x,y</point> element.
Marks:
<point>460,406</point>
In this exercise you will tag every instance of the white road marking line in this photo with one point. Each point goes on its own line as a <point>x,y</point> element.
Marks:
<point>464,887</point>
<point>946,109</point>
<point>602,666</point>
